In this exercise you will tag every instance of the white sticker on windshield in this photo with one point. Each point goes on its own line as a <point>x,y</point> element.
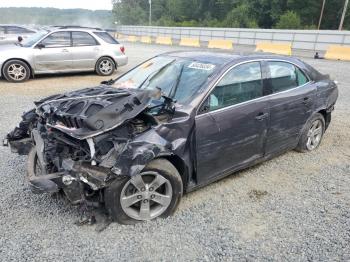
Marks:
<point>201,66</point>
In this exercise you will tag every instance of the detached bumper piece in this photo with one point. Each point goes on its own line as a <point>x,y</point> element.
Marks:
<point>21,146</point>
<point>73,181</point>
<point>46,184</point>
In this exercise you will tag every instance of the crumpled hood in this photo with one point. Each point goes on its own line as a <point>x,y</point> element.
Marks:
<point>92,111</point>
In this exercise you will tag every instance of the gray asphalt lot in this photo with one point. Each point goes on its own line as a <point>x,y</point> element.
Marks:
<point>295,207</point>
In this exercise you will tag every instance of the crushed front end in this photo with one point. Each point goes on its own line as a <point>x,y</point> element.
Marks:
<point>80,142</point>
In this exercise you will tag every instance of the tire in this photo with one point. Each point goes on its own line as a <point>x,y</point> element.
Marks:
<point>105,66</point>
<point>124,187</point>
<point>33,166</point>
<point>16,71</point>
<point>312,134</point>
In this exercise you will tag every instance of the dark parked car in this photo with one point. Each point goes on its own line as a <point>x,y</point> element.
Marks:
<point>175,123</point>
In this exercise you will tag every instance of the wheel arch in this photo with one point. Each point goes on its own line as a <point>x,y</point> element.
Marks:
<point>326,115</point>
<point>180,165</point>
<point>20,59</point>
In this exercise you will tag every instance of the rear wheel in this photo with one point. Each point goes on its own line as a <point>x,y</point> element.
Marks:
<point>155,192</point>
<point>105,66</point>
<point>16,71</point>
<point>312,134</point>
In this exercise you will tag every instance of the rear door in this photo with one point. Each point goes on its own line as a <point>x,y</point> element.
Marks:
<point>54,54</point>
<point>85,51</point>
<point>292,98</point>
<point>232,123</point>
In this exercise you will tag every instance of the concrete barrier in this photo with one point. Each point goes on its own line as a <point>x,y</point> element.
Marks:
<point>121,36</point>
<point>146,39</point>
<point>164,40</point>
<point>338,52</point>
<point>281,49</point>
<point>221,44</point>
<point>313,40</point>
<point>132,38</point>
<point>194,42</point>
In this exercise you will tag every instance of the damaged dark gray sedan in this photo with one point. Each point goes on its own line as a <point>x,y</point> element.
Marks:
<point>170,125</point>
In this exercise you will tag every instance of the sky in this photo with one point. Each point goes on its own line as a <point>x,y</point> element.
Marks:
<point>64,4</point>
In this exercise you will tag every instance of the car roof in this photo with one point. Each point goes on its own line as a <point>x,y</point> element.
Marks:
<point>224,58</point>
<point>76,28</point>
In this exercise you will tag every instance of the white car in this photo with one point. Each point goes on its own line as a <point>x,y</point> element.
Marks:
<point>9,33</point>
<point>61,50</point>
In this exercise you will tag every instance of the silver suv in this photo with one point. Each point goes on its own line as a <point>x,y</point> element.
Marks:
<point>9,33</point>
<point>61,50</point>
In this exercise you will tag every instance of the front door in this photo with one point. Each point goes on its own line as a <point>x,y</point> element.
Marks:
<point>232,123</point>
<point>53,54</point>
<point>291,104</point>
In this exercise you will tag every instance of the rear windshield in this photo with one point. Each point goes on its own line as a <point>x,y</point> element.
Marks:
<point>106,37</point>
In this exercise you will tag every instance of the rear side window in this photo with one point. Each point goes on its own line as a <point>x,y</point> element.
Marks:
<point>241,84</point>
<point>285,76</point>
<point>17,30</point>
<point>83,39</point>
<point>2,30</point>
<point>58,39</point>
<point>106,37</point>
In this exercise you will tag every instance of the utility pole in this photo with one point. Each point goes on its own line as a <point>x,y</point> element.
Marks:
<point>150,12</point>
<point>321,15</point>
<point>343,15</point>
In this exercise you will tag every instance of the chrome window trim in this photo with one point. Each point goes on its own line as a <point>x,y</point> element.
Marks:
<point>93,37</point>
<point>255,99</point>
<point>54,32</point>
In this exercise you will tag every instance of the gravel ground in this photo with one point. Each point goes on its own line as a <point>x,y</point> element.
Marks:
<point>293,208</point>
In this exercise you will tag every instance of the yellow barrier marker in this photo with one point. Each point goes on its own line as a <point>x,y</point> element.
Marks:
<point>146,39</point>
<point>281,49</point>
<point>164,40</point>
<point>132,38</point>
<point>120,36</point>
<point>338,52</point>
<point>194,42</point>
<point>222,44</point>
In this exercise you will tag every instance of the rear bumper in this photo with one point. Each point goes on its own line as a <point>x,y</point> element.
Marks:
<point>121,60</point>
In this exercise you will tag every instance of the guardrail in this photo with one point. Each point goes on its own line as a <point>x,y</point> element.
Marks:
<point>299,39</point>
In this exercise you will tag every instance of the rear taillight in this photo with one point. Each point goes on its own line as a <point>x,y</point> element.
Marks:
<point>122,49</point>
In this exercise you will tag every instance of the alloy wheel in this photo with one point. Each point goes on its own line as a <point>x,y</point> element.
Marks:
<point>106,66</point>
<point>146,196</point>
<point>17,72</point>
<point>314,135</point>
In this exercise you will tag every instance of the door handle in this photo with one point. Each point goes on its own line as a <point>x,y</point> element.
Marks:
<point>261,116</point>
<point>65,51</point>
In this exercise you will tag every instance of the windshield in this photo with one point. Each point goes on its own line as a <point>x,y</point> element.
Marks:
<point>179,79</point>
<point>30,41</point>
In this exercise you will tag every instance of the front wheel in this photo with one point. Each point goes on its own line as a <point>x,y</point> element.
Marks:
<point>155,192</point>
<point>16,71</point>
<point>312,134</point>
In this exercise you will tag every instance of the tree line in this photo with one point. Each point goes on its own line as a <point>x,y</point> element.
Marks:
<point>281,14</point>
<point>54,16</point>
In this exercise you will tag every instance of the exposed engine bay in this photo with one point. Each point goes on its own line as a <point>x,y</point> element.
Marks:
<point>83,140</point>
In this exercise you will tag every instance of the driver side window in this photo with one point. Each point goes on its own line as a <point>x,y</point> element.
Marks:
<point>241,84</point>
<point>58,39</point>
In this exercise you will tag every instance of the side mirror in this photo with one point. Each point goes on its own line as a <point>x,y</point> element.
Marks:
<point>20,39</point>
<point>40,46</point>
<point>205,106</point>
